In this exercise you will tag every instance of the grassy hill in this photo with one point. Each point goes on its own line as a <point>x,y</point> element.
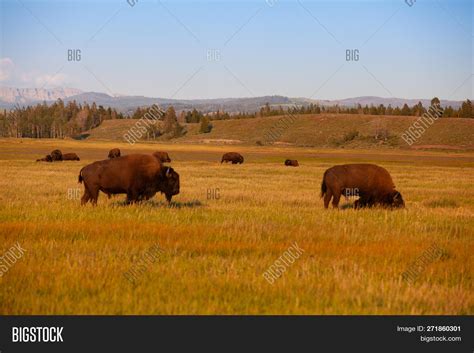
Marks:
<point>326,130</point>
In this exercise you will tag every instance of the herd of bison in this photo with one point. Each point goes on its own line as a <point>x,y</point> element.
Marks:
<point>141,176</point>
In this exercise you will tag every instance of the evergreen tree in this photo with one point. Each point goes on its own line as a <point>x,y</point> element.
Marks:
<point>435,101</point>
<point>405,110</point>
<point>466,110</point>
<point>205,125</point>
<point>171,127</point>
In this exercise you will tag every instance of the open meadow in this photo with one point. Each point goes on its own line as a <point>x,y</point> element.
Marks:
<point>227,226</point>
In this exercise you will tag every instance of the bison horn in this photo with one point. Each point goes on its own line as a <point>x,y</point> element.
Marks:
<point>168,172</point>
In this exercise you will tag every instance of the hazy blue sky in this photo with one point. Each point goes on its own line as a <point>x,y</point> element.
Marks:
<point>292,48</point>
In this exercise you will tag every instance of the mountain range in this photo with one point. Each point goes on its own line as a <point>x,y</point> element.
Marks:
<point>11,97</point>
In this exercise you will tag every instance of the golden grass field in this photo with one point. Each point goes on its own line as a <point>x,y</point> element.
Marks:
<point>215,251</point>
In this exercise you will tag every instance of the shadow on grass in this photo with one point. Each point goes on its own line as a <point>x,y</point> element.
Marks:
<point>347,206</point>
<point>351,206</point>
<point>174,204</point>
<point>162,204</point>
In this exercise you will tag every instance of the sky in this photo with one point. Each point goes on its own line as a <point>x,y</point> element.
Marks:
<point>216,49</point>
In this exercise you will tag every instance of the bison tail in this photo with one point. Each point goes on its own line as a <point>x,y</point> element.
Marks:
<point>323,189</point>
<point>323,186</point>
<point>80,179</point>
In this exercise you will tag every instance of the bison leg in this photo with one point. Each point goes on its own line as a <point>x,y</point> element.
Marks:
<point>335,199</point>
<point>130,199</point>
<point>94,195</point>
<point>168,197</point>
<point>360,203</point>
<point>364,201</point>
<point>327,198</point>
<point>132,196</point>
<point>86,197</point>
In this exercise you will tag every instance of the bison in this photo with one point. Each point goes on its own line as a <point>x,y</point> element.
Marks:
<point>374,186</point>
<point>233,157</point>
<point>70,157</point>
<point>291,163</point>
<point>162,156</point>
<point>139,176</point>
<point>45,159</point>
<point>114,153</point>
<point>56,155</point>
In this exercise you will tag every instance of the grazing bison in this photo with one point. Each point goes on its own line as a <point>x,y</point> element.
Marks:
<point>45,159</point>
<point>56,155</point>
<point>374,186</point>
<point>114,153</point>
<point>140,176</point>
<point>162,156</point>
<point>233,157</point>
<point>70,157</point>
<point>291,163</point>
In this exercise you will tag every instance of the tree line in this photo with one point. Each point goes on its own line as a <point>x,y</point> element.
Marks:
<point>464,111</point>
<point>59,120</point>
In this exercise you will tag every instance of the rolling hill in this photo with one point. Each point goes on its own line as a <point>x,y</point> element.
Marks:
<point>326,130</point>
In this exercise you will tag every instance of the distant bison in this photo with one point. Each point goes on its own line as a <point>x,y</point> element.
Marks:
<point>162,156</point>
<point>139,176</point>
<point>373,184</point>
<point>56,155</point>
<point>45,159</point>
<point>114,153</point>
<point>70,157</point>
<point>233,157</point>
<point>291,163</point>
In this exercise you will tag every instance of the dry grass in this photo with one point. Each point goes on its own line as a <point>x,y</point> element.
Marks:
<point>215,251</point>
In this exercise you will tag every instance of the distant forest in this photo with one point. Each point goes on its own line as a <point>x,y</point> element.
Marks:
<point>59,120</point>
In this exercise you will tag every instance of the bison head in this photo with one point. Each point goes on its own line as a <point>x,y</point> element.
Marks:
<point>395,200</point>
<point>168,182</point>
<point>56,155</point>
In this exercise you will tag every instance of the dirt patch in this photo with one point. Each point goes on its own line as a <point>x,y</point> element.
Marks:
<point>283,144</point>
<point>442,147</point>
<point>221,141</point>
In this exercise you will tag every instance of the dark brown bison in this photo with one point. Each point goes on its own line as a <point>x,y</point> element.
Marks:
<point>45,159</point>
<point>140,176</point>
<point>291,163</point>
<point>70,157</point>
<point>56,155</point>
<point>114,153</point>
<point>373,185</point>
<point>233,157</point>
<point>162,156</point>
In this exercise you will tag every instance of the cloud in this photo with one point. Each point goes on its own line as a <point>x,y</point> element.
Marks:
<point>6,68</point>
<point>42,80</point>
<point>47,80</point>
<point>39,80</point>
